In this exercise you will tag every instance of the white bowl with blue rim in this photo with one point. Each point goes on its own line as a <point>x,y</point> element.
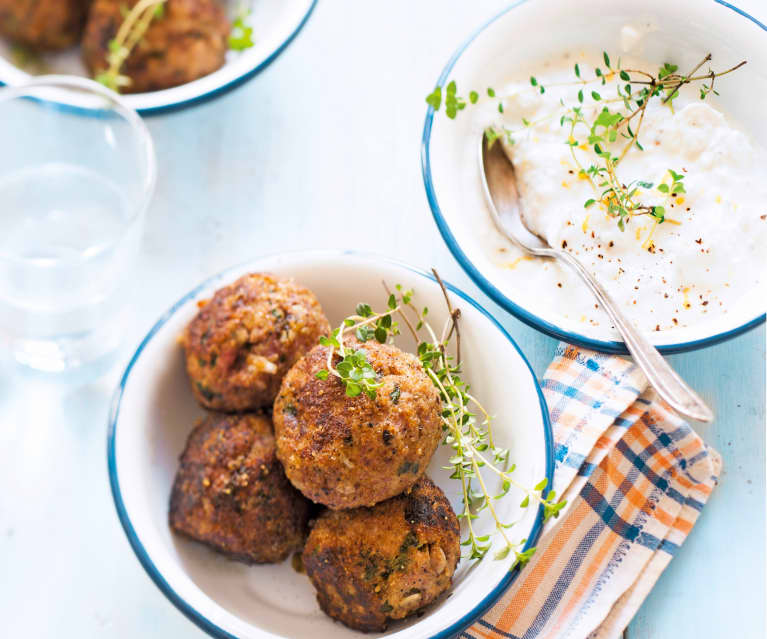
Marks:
<point>275,23</point>
<point>153,412</point>
<point>536,29</point>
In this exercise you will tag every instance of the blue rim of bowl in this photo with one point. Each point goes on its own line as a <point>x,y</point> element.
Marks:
<point>114,413</point>
<point>232,84</point>
<point>494,293</point>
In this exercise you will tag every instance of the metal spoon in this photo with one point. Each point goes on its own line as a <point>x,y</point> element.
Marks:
<point>499,184</point>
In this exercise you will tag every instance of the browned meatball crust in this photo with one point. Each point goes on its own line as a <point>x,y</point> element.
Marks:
<point>372,565</point>
<point>43,24</point>
<point>231,493</point>
<point>244,340</point>
<point>356,451</point>
<point>188,41</point>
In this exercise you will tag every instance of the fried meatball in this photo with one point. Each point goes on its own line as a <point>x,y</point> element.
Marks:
<point>243,341</point>
<point>356,451</point>
<point>44,25</point>
<point>189,40</point>
<point>372,565</point>
<point>231,493</point>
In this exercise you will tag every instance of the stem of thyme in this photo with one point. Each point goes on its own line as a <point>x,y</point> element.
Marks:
<point>132,29</point>
<point>474,450</point>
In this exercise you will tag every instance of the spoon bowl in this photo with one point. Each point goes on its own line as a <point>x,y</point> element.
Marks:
<point>500,189</point>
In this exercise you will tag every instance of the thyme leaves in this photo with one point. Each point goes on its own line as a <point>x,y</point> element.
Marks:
<point>475,459</point>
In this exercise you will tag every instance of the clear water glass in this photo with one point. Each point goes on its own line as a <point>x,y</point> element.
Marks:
<point>77,173</point>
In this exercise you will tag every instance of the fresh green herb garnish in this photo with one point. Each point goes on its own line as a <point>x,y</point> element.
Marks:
<point>676,185</point>
<point>135,24</point>
<point>453,103</point>
<point>621,200</point>
<point>434,99</point>
<point>137,20</point>
<point>354,369</point>
<point>241,36</point>
<point>466,424</point>
<point>598,135</point>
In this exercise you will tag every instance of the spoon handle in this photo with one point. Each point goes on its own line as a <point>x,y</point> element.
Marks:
<point>659,373</point>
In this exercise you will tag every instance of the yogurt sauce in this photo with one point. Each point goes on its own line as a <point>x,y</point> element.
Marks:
<point>710,251</point>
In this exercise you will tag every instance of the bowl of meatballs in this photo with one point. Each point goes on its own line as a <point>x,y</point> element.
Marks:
<point>163,54</point>
<point>268,498</point>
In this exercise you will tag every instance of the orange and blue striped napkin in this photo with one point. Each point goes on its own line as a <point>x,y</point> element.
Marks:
<point>635,477</point>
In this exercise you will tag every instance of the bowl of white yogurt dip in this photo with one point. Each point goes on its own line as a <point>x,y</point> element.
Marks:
<point>670,214</point>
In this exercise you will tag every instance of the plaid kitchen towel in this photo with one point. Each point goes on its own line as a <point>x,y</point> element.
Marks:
<point>635,477</point>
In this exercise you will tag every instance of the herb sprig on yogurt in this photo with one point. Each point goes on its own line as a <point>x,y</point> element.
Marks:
<point>609,133</point>
<point>467,426</point>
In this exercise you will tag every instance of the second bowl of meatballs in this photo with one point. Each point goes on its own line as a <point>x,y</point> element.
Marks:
<point>329,512</point>
<point>163,54</point>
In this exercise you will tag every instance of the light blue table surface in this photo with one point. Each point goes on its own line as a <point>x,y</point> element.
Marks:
<point>322,150</point>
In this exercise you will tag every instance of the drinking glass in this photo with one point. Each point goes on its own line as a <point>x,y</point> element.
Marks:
<point>77,173</point>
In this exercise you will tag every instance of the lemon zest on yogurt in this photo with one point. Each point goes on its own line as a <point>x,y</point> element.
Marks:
<point>648,240</point>
<point>686,299</point>
<point>515,262</point>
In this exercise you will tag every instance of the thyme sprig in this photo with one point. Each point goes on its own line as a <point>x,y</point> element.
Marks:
<point>241,36</point>
<point>135,23</point>
<point>620,199</point>
<point>354,369</point>
<point>467,426</point>
<point>611,127</point>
